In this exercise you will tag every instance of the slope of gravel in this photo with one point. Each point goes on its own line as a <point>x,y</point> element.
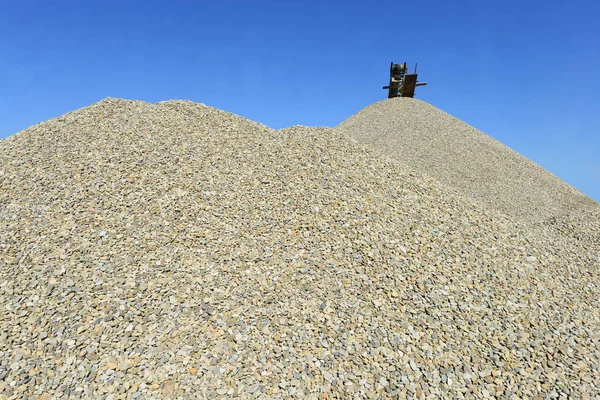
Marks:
<point>582,224</point>
<point>178,251</point>
<point>451,151</point>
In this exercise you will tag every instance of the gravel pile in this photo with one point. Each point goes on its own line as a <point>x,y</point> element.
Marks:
<point>447,149</point>
<point>173,250</point>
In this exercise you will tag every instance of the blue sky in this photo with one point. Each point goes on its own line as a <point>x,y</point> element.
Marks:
<point>524,72</point>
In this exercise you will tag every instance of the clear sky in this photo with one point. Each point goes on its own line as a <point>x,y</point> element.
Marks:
<point>525,72</point>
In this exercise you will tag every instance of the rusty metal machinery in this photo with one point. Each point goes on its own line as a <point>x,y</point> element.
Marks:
<point>402,83</point>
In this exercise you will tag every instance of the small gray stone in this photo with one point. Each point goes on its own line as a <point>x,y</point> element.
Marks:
<point>253,388</point>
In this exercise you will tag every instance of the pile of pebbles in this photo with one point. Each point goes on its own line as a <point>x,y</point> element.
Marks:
<point>435,143</point>
<point>173,250</point>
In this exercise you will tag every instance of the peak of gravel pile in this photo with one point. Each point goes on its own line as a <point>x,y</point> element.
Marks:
<point>431,141</point>
<point>173,250</point>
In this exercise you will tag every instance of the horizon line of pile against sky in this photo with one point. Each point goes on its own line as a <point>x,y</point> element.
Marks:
<point>400,128</point>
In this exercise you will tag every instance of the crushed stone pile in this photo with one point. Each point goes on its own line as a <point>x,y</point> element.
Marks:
<point>173,250</point>
<point>433,142</point>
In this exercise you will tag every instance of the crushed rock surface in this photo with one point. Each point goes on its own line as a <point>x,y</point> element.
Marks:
<point>173,250</point>
<point>435,143</point>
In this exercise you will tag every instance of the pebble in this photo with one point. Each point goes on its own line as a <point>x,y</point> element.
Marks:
<point>413,365</point>
<point>238,260</point>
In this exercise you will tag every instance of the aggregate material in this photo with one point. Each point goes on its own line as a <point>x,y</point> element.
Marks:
<point>435,143</point>
<point>173,250</point>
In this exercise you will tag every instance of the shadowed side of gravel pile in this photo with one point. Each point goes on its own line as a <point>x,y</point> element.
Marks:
<point>429,140</point>
<point>177,250</point>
